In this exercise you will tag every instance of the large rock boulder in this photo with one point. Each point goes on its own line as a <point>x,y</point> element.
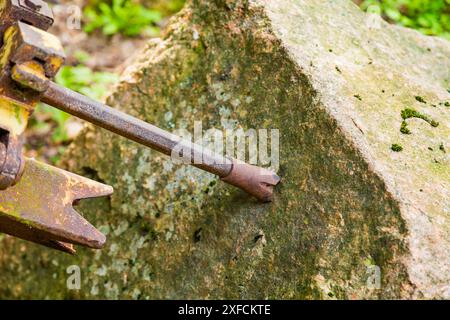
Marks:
<point>349,212</point>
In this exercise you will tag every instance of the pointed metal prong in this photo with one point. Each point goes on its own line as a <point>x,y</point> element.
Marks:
<point>40,208</point>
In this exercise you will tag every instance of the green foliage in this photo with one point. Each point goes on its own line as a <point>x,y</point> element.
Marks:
<point>431,17</point>
<point>121,16</point>
<point>85,81</point>
<point>60,118</point>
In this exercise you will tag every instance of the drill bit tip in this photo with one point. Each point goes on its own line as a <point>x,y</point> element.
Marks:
<point>256,181</point>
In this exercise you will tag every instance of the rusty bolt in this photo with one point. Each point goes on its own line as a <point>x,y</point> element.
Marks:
<point>33,12</point>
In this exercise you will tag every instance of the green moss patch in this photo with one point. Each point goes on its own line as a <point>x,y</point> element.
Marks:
<point>409,113</point>
<point>396,148</point>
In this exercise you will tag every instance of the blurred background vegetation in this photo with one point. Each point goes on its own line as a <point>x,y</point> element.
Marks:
<point>130,18</point>
<point>111,29</point>
<point>431,17</point>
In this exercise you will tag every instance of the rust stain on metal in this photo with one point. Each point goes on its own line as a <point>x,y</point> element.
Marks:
<point>37,204</point>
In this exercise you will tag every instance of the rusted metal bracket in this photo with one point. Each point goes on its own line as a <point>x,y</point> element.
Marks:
<point>37,200</point>
<point>24,42</point>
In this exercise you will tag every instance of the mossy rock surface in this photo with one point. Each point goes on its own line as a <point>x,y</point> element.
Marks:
<point>334,81</point>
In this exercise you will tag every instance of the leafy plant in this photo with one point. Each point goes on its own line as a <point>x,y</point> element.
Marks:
<point>85,81</point>
<point>121,16</point>
<point>431,17</point>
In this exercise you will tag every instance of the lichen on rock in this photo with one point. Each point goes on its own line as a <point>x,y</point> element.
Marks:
<point>347,204</point>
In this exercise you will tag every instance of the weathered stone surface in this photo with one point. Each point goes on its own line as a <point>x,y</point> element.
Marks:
<point>334,82</point>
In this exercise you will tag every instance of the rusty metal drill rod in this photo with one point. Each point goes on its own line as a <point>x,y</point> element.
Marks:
<point>257,181</point>
<point>126,126</point>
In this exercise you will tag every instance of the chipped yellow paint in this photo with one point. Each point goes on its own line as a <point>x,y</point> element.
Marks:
<point>2,6</point>
<point>8,44</point>
<point>13,116</point>
<point>20,73</point>
<point>56,62</point>
<point>34,68</point>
